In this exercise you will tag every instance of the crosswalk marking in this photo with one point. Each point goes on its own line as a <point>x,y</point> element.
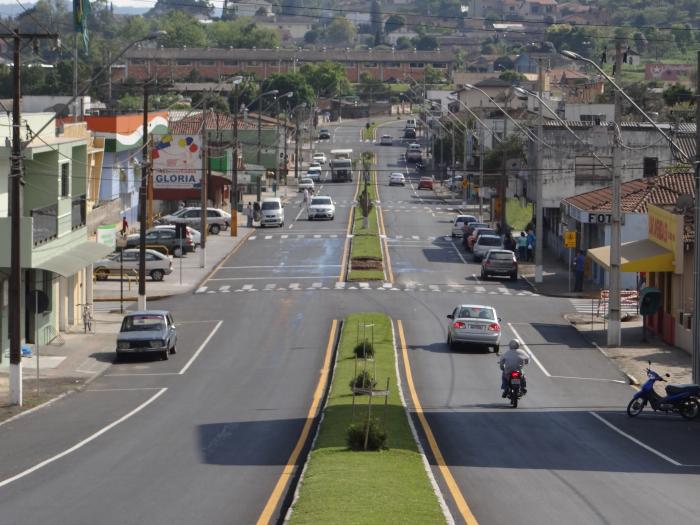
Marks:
<point>479,289</point>
<point>504,291</point>
<point>284,237</point>
<point>267,237</point>
<point>247,287</point>
<point>339,286</point>
<point>225,288</point>
<point>252,237</point>
<point>201,289</point>
<point>270,286</point>
<point>415,237</point>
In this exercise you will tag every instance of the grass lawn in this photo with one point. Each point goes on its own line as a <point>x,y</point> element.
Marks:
<point>346,487</point>
<point>518,216</point>
<point>366,242</point>
<point>368,133</point>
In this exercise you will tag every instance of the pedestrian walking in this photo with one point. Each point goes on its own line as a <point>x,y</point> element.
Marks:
<point>305,202</point>
<point>125,225</point>
<point>509,243</point>
<point>521,243</point>
<point>530,245</point>
<point>256,212</point>
<point>249,215</point>
<point>579,266</point>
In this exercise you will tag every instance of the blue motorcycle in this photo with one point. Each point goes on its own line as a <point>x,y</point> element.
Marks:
<point>682,399</point>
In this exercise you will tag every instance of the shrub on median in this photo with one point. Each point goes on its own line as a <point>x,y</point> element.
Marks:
<point>363,380</point>
<point>376,440</point>
<point>364,350</point>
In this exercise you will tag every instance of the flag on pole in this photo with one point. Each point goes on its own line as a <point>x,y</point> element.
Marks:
<point>81,10</point>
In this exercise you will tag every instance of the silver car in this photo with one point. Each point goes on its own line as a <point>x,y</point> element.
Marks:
<point>474,324</point>
<point>157,265</point>
<point>485,243</point>
<point>217,219</point>
<point>459,222</point>
<point>150,331</point>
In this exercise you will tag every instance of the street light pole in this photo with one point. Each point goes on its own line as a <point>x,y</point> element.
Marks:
<point>539,177</point>
<point>142,202</point>
<point>696,245</point>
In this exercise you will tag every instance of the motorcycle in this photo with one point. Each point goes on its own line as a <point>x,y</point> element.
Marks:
<point>679,398</point>
<point>515,390</point>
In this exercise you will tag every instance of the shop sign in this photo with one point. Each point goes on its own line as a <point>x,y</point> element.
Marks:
<point>666,230</point>
<point>177,161</point>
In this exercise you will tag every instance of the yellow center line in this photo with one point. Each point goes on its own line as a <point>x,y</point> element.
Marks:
<point>288,470</point>
<point>457,496</point>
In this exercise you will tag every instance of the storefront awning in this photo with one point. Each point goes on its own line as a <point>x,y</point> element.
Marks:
<point>75,258</point>
<point>637,256</point>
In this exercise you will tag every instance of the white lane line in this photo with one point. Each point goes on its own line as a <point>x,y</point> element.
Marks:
<point>339,286</point>
<point>252,237</point>
<point>598,379</point>
<point>201,289</point>
<point>415,237</point>
<point>317,236</point>
<point>268,237</point>
<point>637,442</point>
<point>476,278</point>
<point>201,348</point>
<point>503,290</point>
<point>121,389</point>
<point>270,287</point>
<point>529,352</point>
<point>284,236</point>
<point>364,286</point>
<point>135,374</point>
<point>225,288</point>
<point>457,250</point>
<point>294,286</point>
<point>84,442</point>
<point>299,214</point>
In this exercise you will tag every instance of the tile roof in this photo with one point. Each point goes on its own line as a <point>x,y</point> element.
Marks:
<point>190,124</point>
<point>662,190</point>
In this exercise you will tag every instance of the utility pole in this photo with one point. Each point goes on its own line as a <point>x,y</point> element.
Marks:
<point>481,174</point>
<point>142,202</point>
<point>296,148</point>
<point>285,144</point>
<point>539,177</point>
<point>614,318</point>
<point>260,103</point>
<point>277,144</point>
<point>203,188</point>
<point>696,243</point>
<point>234,178</point>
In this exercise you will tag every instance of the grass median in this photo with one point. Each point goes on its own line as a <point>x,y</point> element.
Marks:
<point>368,132</point>
<point>342,486</point>
<point>366,261</point>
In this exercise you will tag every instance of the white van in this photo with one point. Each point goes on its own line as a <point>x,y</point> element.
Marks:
<point>272,212</point>
<point>411,123</point>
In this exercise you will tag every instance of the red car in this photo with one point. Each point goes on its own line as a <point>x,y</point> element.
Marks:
<point>425,183</point>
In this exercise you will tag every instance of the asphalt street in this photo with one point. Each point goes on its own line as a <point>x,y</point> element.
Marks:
<point>215,434</point>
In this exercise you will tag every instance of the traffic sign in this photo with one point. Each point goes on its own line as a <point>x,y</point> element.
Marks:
<point>570,239</point>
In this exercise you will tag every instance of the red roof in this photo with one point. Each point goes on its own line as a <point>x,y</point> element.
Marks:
<point>192,124</point>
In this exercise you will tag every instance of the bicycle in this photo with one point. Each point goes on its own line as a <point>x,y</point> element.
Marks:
<point>87,316</point>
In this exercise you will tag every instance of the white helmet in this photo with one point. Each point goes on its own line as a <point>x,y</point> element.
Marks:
<point>514,344</point>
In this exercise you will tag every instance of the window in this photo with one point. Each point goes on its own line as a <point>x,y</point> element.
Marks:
<point>162,61</point>
<point>439,65</point>
<point>65,179</point>
<point>207,62</point>
<point>370,64</point>
<point>230,62</point>
<point>417,65</point>
<point>184,62</point>
<point>213,213</point>
<point>651,166</point>
<point>253,62</point>
<point>591,169</point>
<point>47,287</point>
<point>138,61</point>
<point>393,64</point>
<point>596,119</point>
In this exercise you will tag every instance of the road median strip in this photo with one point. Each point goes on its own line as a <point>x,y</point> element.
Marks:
<point>385,486</point>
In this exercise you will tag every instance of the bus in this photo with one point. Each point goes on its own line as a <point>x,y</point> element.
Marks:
<point>341,165</point>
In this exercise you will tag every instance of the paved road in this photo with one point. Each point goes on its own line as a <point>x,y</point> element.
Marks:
<point>207,436</point>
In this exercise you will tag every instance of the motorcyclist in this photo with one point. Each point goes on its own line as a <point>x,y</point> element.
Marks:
<point>513,360</point>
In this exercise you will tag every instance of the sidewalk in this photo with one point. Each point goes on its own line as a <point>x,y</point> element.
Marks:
<point>81,358</point>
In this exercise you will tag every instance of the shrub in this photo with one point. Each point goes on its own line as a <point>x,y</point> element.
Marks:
<point>356,436</point>
<point>364,350</point>
<point>363,380</point>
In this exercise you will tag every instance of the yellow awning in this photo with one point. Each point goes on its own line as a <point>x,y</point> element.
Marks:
<point>637,256</point>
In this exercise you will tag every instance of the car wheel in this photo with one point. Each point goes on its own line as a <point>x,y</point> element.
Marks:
<point>117,357</point>
<point>281,224</point>
<point>214,229</point>
<point>173,350</point>
<point>177,252</point>
<point>101,274</point>
<point>450,342</point>
<point>514,276</point>
<point>496,349</point>
<point>484,276</point>
<point>157,275</point>
<point>164,355</point>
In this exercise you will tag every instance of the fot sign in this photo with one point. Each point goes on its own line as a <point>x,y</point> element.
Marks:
<point>666,230</point>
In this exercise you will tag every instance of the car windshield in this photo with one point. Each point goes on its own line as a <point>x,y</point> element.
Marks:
<point>321,200</point>
<point>142,323</point>
<point>476,312</point>
<point>271,205</point>
<point>485,231</point>
<point>179,212</point>
<point>461,219</point>
<point>489,241</point>
<point>307,181</point>
<point>501,256</point>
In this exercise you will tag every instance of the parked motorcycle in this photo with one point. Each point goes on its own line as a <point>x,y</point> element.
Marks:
<point>515,390</point>
<point>682,399</point>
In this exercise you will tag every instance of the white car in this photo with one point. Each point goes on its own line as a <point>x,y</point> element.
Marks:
<point>474,324</point>
<point>194,234</point>
<point>484,244</point>
<point>386,140</point>
<point>314,173</point>
<point>397,178</point>
<point>321,207</point>
<point>306,184</point>
<point>320,158</point>
<point>459,222</point>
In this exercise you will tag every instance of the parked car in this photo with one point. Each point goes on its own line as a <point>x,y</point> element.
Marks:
<point>314,173</point>
<point>469,228</point>
<point>411,123</point>
<point>191,232</point>
<point>157,265</point>
<point>476,233</point>
<point>397,178</point>
<point>272,212</point>
<point>320,157</point>
<point>217,219</point>
<point>306,184</point>
<point>147,331</point>
<point>163,240</point>
<point>324,134</point>
<point>499,262</point>
<point>425,183</point>
<point>484,243</point>
<point>409,133</point>
<point>413,153</point>
<point>321,207</point>
<point>314,164</point>
<point>455,183</point>
<point>386,140</point>
<point>459,222</point>
<point>474,324</point>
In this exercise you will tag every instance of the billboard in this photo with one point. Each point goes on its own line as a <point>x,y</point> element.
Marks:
<point>667,72</point>
<point>177,161</point>
<point>666,230</point>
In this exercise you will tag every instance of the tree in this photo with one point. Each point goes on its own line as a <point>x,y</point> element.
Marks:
<point>512,76</point>
<point>433,75</point>
<point>328,79</point>
<point>182,29</point>
<point>375,16</point>
<point>286,82</point>
<point>340,30</point>
<point>394,23</point>
<point>425,43</point>
<point>311,37</point>
<point>676,94</point>
<point>403,42</point>
<point>241,33</point>
<point>503,63</point>
<point>193,7</point>
<point>510,148</point>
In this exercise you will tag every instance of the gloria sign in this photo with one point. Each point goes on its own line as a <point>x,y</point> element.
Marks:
<point>666,230</point>
<point>177,161</point>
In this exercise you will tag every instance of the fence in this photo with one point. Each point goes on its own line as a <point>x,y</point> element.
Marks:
<point>629,302</point>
